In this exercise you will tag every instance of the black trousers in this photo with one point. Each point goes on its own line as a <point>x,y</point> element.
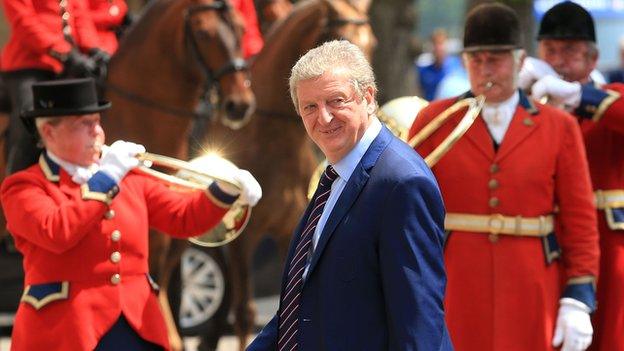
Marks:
<point>21,149</point>
<point>121,337</point>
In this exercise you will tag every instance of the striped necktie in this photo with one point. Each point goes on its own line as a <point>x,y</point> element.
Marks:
<point>289,304</point>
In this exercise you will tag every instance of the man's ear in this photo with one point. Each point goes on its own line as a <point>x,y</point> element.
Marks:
<point>369,96</point>
<point>46,132</point>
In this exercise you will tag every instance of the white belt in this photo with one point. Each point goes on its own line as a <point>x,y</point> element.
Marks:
<point>609,198</point>
<point>499,224</point>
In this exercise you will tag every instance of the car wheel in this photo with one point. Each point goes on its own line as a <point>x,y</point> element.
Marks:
<point>204,298</point>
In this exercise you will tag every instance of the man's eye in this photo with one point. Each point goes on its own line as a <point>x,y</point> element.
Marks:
<point>337,102</point>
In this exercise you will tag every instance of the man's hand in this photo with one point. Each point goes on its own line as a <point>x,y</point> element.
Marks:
<point>573,329</point>
<point>250,191</point>
<point>533,70</point>
<point>558,91</point>
<point>101,58</point>
<point>78,65</point>
<point>120,158</point>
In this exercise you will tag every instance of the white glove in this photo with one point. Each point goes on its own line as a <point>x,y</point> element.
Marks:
<point>120,158</point>
<point>250,191</point>
<point>574,327</point>
<point>558,91</point>
<point>533,70</point>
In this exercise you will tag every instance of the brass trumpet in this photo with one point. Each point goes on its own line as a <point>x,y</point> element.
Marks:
<point>474,105</point>
<point>198,174</point>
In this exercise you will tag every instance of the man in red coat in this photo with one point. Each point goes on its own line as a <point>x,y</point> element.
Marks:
<point>48,38</point>
<point>522,247</point>
<point>567,44</point>
<point>81,221</point>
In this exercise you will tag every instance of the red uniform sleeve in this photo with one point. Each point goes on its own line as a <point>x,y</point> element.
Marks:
<point>181,214</point>
<point>24,19</point>
<point>577,213</point>
<point>103,17</point>
<point>252,39</point>
<point>86,35</point>
<point>32,214</point>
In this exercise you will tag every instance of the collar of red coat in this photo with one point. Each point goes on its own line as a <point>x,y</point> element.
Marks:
<point>524,102</point>
<point>50,169</point>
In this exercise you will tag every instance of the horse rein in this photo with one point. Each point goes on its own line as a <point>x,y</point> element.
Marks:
<point>232,66</point>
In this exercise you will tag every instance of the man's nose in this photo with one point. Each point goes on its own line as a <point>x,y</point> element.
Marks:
<point>325,116</point>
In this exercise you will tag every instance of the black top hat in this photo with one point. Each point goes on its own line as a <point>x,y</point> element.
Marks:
<point>567,20</point>
<point>65,97</point>
<point>492,26</point>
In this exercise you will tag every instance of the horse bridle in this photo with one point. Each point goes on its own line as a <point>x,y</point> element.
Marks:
<point>233,65</point>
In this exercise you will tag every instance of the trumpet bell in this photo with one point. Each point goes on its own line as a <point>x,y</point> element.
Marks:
<point>399,114</point>
<point>198,174</point>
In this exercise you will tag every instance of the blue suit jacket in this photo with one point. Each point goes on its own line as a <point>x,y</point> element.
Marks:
<point>376,280</point>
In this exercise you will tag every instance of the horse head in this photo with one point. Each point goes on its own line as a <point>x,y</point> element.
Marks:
<point>348,20</point>
<point>213,33</point>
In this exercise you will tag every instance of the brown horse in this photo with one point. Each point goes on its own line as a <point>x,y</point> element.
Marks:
<point>274,146</point>
<point>179,50</point>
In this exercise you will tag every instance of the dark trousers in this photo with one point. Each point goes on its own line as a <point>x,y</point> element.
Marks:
<point>121,337</point>
<point>21,149</point>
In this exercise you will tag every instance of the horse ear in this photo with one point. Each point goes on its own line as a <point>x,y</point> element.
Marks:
<point>361,5</point>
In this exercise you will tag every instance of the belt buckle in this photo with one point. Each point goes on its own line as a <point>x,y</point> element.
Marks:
<point>496,224</point>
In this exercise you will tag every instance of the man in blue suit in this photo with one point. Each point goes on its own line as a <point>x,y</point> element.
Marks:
<point>365,268</point>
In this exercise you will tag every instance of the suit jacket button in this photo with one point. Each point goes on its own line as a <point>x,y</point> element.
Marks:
<point>494,168</point>
<point>115,235</point>
<point>115,257</point>
<point>115,279</point>
<point>110,214</point>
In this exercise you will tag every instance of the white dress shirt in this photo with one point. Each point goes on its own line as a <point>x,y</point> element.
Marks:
<point>498,116</point>
<point>344,168</point>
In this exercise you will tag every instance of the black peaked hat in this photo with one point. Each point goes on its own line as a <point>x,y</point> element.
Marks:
<point>492,26</point>
<point>567,20</point>
<point>65,97</point>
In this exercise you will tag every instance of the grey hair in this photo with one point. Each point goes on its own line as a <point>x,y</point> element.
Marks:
<point>40,121</point>
<point>331,55</point>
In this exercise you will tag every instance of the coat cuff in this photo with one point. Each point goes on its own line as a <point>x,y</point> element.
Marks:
<point>582,289</point>
<point>220,197</point>
<point>100,187</point>
<point>594,102</point>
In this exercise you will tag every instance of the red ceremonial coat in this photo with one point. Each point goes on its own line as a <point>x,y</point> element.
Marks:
<point>36,26</point>
<point>604,141</point>
<point>85,262</point>
<point>107,15</point>
<point>501,294</point>
<point>252,38</point>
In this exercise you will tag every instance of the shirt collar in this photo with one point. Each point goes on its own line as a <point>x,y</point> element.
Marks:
<point>78,173</point>
<point>347,164</point>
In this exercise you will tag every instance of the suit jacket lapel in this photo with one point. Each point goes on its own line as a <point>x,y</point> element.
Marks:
<point>352,189</point>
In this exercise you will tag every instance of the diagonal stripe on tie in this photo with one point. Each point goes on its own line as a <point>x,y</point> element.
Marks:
<point>289,304</point>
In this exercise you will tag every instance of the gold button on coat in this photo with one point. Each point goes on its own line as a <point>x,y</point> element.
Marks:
<point>110,214</point>
<point>115,257</point>
<point>115,235</point>
<point>494,168</point>
<point>493,184</point>
<point>115,279</point>
<point>493,202</point>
